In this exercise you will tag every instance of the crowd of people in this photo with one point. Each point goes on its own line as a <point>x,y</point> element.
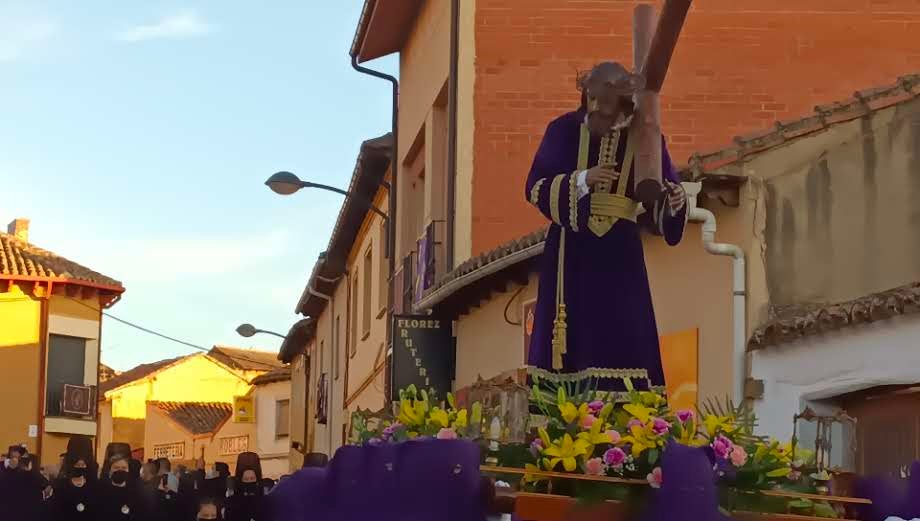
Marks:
<point>126,489</point>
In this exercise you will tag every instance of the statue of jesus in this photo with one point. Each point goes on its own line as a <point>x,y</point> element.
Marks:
<point>594,316</point>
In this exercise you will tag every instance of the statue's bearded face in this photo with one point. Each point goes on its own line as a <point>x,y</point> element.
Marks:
<point>605,115</point>
<point>609,88</point>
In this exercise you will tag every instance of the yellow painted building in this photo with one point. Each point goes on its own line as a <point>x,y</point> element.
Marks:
<point>217,376</point>
<point>50,331</point>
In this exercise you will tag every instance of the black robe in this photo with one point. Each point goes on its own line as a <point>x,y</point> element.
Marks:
<point>73,503</point>
<point>244,507</point>
<point>121,503</point>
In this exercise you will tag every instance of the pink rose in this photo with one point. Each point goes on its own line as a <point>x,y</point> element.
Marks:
<point>595,406</point>
<point>794,475</point>
<point>655,478</point>
<point>685,415</point>
<point>594,467</point>
<point>632,423</point>
<point>614,436</point>
<point>447,434</point>
<point>660,426</point>
<point>615,457</point>
<point>722,446</point>
<point>588,421</point>
<point>739,456</point>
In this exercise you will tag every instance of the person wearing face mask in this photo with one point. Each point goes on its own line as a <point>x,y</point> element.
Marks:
<point>208,510</point>
<point>122,450</point>
<point>247,501</point>
<point>74,495</point>
<point>119,498</point>
<point>21,486</point>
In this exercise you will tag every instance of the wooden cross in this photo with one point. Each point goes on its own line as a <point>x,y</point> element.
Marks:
<point>651,57</point>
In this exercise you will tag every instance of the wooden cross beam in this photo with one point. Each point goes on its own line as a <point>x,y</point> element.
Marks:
<point>651,57</point>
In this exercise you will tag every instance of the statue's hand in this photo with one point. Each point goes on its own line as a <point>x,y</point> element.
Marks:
<point>599,174</point>
<point>677,197</point>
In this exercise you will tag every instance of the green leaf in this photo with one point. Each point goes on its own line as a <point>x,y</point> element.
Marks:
<point>652,456</point>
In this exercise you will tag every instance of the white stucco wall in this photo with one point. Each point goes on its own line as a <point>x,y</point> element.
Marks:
<point>273,451</point>
<point>813,370</point>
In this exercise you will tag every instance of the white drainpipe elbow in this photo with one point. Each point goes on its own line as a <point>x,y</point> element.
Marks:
<point>739,292</point>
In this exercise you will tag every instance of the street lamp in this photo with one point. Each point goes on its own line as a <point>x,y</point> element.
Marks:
<point>248,330</point>
<point>286,183</point>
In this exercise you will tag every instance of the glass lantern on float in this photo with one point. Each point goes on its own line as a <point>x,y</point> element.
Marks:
<point>505,407</point>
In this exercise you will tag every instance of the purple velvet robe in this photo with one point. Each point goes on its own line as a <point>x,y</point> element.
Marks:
<point>611,323</point>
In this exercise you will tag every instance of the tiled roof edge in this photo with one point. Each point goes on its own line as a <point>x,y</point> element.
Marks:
<point>860,104</point>
<point>808,322</point>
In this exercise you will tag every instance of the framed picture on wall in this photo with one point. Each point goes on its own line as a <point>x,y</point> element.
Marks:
<point>528,308</point>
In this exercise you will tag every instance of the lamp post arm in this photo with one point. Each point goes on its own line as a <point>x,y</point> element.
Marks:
<point>370,205</point>
<point>279,335</point>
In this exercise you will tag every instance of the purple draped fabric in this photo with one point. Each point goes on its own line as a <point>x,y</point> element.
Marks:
<point>611,323</point>
<point>688,491</point>
<point>419,480</point>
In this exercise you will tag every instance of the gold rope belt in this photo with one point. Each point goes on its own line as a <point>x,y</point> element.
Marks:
<point>614,205</point>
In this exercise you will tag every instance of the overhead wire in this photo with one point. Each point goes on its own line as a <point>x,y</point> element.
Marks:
<point>170,338</point>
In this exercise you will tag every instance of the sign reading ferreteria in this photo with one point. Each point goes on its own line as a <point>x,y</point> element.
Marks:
<point>423,354</point>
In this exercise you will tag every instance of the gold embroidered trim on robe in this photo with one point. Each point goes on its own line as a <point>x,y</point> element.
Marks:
<point>595,373</point>
<point>573,201</point>
<point>554,190</point>
<point>535,192</point>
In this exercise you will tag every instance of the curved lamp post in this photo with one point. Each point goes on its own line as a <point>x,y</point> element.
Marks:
<point>286,183</point>
<point>248,330</point>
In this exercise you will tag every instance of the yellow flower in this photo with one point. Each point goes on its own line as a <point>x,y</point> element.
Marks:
<point>571,413</point>
<point>650,399</point>
<point>412,413</point>
<point>566,451</point>
<point>530,478</point>
<point>460,422</point>
<point>639,412</point>
<point>438,418</point>
<point>642,438</point>
<point>594,436</point>
<point>779,473</point>
<point>544,437</point>
<point>715,424</point>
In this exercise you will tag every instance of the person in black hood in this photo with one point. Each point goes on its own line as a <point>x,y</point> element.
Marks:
<point>208,510</point>
<point>112,450</point>
<point>21,486</point>
<point>119,497</point>
<point>75,491</point>
<point>247,501</point>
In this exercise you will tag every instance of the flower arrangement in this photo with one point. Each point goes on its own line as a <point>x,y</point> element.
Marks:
<point>592,433</point>
<point>419,415</point>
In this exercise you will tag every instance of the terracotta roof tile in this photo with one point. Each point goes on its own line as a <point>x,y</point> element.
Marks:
<point>798,322</point>
<point>23,259</point>
<point>245,359</point>
<point>862,102</point>
<point>196,417</point>
<point>282,374</point>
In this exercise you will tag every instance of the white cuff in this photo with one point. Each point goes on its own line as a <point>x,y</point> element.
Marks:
<point>581,181</point>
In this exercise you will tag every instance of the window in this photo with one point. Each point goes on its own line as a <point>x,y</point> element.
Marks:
<point>336,350</point>
<point>353,326</point>
<point>322,356</point>
<point>282,418</point>
<point>366,295</point>
<point>66,362</point>
<point>384,274</point>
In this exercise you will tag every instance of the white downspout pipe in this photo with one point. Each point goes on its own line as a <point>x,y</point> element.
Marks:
<point>739,292</point>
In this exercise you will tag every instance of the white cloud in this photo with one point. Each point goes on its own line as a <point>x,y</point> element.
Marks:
<point>186,24</point>
<point>20,36</point>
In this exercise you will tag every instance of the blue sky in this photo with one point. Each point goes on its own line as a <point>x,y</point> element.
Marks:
<point>136,137</point>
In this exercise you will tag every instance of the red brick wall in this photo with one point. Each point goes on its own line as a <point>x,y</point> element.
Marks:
<point>740,66</point>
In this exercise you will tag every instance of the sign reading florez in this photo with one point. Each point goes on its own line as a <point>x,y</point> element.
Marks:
<point>423,354</point>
